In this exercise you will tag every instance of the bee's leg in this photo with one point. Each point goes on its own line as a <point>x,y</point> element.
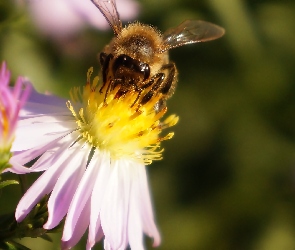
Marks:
<point>157,84</point>
<point>163,84</point>
<point>111,87</point>
<point>167,87</point>
<point>107,90</point>
<point>104,61</point>
<point>138,96</point>
<point>149,94</point>
<point>140,89</point>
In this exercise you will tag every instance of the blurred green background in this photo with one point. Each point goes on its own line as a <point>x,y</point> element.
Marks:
<point>227,180</point>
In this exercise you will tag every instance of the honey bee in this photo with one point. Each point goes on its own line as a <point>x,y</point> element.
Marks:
<point>137,59</point>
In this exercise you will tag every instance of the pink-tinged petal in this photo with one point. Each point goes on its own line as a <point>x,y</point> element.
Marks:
<point>146,209</point>
<point>31,109</point>
<point>114,211</point>
<point>26,156</point>
<point>49,118</point>
<point>17,89</point>
<point>4,74</point>
<point>42,186</point>
<point>82,224</point>
<point>49,105</point>
<point>102,178</point>
<point>47,99</point>
<point>66,185</point>
<point>17,167</point>
<point>11,100</point>
<point>40,104</point>
<point>22,94</point>
<point>48,158</point>
<point>80,199</point>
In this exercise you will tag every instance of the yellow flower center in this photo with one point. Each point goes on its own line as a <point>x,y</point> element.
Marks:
<point>5,139</point>
<point>4,122</point>
<point>120,125</point>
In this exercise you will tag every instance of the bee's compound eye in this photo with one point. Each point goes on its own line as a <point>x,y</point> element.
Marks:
<point>132,64</point>
<point>123,60</point>
<point>145,69</point>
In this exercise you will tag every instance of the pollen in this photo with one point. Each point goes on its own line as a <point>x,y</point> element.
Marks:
<point>120,125</point>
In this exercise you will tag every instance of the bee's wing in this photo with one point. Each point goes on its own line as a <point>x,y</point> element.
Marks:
<point>109,9</point>
<point>191,31</point>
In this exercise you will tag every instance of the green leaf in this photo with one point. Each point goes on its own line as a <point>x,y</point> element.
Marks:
<point>8,182</point>
<point>12,245</point>
<point>46,237</point>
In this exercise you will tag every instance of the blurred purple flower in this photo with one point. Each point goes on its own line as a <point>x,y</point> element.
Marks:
<point>65,17</point>
<point>11,101</point>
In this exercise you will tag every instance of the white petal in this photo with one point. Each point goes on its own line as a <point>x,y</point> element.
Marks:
<point>82,224</point>
<point>81,197</point>
<point>34,132</point>
<point>66,185</point>
<point>26,156</point>
<point>102,179</point>
<point>135,232</point>
<point>51,154</point>
<point>146,208</point>
<point>42,186</point>
<point>114,211</point>
<point>21,158</point>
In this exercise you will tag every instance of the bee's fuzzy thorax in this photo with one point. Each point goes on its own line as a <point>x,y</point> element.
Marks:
<point>141,42</point>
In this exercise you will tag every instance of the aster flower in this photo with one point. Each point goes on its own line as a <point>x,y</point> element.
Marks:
<point>94,150</point>
<point>11,101</point>
<point>62,18</point>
